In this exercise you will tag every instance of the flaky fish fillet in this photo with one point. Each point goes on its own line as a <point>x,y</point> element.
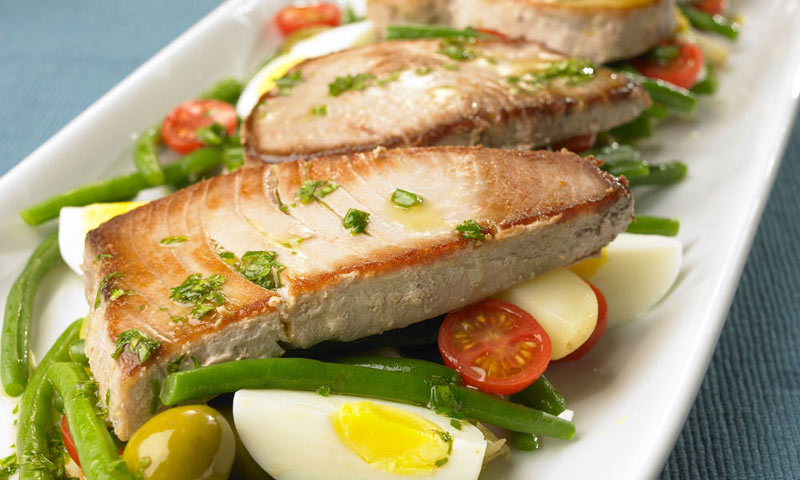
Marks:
<point>537,210</point>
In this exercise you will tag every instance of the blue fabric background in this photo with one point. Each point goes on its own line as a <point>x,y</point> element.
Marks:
<point>58,57</point>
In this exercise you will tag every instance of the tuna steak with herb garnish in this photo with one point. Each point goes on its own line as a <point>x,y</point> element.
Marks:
<point>602,30</point>
<point>289,255</point>
<point>456,91</point>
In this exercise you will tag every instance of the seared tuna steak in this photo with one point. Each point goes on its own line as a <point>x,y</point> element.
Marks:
<point>512,94</point>
<point>283,256</point>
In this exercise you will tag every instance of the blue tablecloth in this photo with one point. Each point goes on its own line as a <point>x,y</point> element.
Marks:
<point>58,57</point>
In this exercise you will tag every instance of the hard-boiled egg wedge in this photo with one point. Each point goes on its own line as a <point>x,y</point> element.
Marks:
<point>306,436</point>
<point>329,41</point>
<point>75,222</point>
<point>563,304</point>
<point>635,271</point>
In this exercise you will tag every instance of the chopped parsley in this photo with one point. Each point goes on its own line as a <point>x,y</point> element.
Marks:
<point>261,268</point>
<point>349,82</point>
<point>202,293</point>
<point>9,466</point>
<point>456,423</point>
<point>574,70</point>
<point>86,389</point>
<point>195,362</point>
<point>118,292</point>
<point>287,82</point>
<point>423,70</point>
<point>471,229</point>
<point>324,390</point>
<point>103,256</point>
<point>228,257</point>
<point>175,365</point>
<point>138,343</point>
<point>141,307</point>
<point>175,240</point>
<point>458,48</point>
<point>450,66</point>
<point>392,77</point>
<point>356,221</point>
<point>319,111</point>
<point>441,462</point>
<point>103,283</point>
<point>311,190</point>
<point>404,198</point>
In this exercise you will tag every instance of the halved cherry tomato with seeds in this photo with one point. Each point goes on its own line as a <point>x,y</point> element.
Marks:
<point>292,18</point>
<point>496,346</point>
<point>179,129</point>
<point>597,333</point>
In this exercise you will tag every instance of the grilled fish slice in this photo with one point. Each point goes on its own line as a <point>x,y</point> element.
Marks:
<point>538,210</point>
<point>512,94</point>
<point>603,30</point>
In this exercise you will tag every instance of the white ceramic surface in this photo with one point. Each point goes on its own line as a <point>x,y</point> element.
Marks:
<point>631,394</point>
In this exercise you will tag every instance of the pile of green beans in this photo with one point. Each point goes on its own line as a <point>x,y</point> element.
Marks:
<point>36,410</point>
<point>97,451</point>
<point>664,93</point>
<point>15,344</point>
<point>311,375</point>
<point>626,160</point>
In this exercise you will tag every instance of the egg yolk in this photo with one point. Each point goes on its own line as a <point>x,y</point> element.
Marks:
<point>587,268</point>
<point>95,214</point>
<point>392,440</point>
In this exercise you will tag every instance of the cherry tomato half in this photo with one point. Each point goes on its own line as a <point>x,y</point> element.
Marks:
<point>292,18</point>
<point>69,443</point>
<point>495,346</point>
<point>682,70</point>
<point>711,7</point>
<point>179,129</point>
<point>597,333</point>
<point>578,144</point>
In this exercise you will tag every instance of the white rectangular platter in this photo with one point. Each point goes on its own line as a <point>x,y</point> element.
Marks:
<point>633,392</point>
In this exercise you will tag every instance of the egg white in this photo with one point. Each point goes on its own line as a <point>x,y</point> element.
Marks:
<point>290,435</point>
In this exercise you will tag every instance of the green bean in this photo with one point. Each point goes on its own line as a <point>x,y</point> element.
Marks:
<point>526,442</point>
<point>640,127</point>
<point>647,225</point>
<point>541,395</point>
<point>708,85</point>
<point>405,365</point>
<point>233,157</point>
<point>77,352</point>
<point>226,90</point>
<point>663,174</point>
<point>14,346</point>
<point>201,160</point>
<point>615,153</point>
<point>396,32</point>
<point>306,374</point>
<point>96,448</point>
<point>115,189</point>
<point>145,156</point>
<point>35,411</point>
<point>664,93</point>
<point>711,23</point>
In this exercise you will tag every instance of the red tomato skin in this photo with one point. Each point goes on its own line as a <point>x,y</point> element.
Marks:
<point>293,18</point>
<point>69,444</point>
<point>492,32</point>
<point>711,7</point>
<point>597,333</point>
<point>578,144</point>
<point>178,130</point>
<point>470,373</point>
<point>682,71</point>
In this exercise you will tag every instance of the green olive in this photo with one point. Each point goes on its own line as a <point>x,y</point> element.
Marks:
<point>194,442</point>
